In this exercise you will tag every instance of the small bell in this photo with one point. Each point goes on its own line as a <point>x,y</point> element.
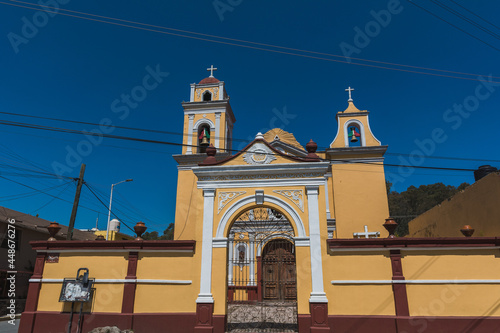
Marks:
<point>204,140</point>
<point>353,135</point>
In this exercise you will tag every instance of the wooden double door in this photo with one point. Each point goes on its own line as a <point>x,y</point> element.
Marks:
<point>279,278</point>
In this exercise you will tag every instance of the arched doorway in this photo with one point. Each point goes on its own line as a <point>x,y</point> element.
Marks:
<point>261,279</point>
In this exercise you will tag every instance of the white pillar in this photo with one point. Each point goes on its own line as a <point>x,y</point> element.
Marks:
<point>251,261</point>
<point>318,293</point>
<point>230,242</point>
<point>221,91</point>
<point>205,295</point>
<point>328,214</point>
<point>191,98</point>
<point>217,130</point>
<point>190,134</point>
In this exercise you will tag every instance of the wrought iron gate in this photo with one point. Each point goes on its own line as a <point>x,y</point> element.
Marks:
<point>262,289</point>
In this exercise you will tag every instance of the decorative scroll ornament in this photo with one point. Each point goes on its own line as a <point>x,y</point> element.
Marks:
<point>296,196</point>
<point>259,154</point>
<point>226,197</point>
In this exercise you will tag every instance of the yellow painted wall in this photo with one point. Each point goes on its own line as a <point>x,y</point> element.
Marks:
<point>453,299</point>
<point>478,206</point>
<point>358,299</point>
<point>167,266</point>
<point>108,296</point>
<point>101,265</point>
<point>199,91</point>
<point>189,207</point>
<point>360,198</point>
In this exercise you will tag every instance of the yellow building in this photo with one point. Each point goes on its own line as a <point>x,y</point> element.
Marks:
<point>278,237</point>
<point>478,205</point>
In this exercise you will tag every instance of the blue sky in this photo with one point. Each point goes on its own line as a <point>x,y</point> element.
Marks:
<point>65,67</point>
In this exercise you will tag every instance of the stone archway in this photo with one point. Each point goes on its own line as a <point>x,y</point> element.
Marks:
<point>261,289</point>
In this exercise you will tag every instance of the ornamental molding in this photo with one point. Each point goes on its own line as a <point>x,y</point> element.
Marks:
<point>226,197</point>
<point>296,196</point>
<point>261,176</point>
<point>259,153</point>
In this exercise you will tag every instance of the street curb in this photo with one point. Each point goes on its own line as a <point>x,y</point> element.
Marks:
<point>5,318</point>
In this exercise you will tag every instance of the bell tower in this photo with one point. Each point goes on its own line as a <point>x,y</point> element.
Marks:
<point>353,128</point>
<point>208,117</point>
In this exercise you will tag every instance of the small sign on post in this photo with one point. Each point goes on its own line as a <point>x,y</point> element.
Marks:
<point>77,290</point>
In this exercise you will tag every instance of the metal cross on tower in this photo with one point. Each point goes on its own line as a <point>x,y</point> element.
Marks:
<point>211,69</point>
<point>349,90</point>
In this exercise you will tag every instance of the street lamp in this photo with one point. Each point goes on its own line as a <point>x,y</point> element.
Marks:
<point>110,201</point>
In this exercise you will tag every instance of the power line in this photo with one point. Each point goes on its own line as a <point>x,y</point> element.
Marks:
<point>65,130</point>
<point>465,18</point>
<point>243,41</point>
<point>440,18</point>
<point>187,134</point>
<point>481,18</point>
<point>107,207</point>
<point>247,46</point>
<point>30,187</point>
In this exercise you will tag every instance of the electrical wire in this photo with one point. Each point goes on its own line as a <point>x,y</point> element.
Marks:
<point>466,19</point>
<point>112,213</point>
<point>481,18</point>
<point>243,41</point>
<point>30,187</point>
<point>65,130</point>
<point>248,46</point>
<point>186,134</point>
<point>456,27</point>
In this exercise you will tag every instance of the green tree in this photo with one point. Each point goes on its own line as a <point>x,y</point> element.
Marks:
<point>407,205</point>
<point>168,234</point>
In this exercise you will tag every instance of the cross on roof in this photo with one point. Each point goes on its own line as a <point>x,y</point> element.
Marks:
<point>211,69</point>
<point>349,90</point>
<point>366,233</point>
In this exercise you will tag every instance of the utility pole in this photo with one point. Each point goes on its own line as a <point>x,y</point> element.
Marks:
<point>69,236</point>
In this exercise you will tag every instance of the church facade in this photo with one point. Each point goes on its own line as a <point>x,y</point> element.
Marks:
<point>278,237</point>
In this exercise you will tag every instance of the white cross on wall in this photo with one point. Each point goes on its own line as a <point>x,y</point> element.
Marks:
<point>366,233</point>
<point>211,69</point>
<point>349,90</point>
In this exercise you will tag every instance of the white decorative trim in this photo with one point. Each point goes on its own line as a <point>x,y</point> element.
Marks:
<point>318,293</point>
<point>120,281</point>
<point>327,201</point>
<point>302,241</point>
<point>296,196</point>
<point>473,281</point>
<point>230,213</point>
<point>221,93</point>
<point>258,154</point>
<point>369,128</point>
<point>262,243</point>
<point>416,248</point>
<point>259,197</point>
<point>205,295</point>
<point>191,97</point>
<point>219,242</point>
<point>202,122</point>
<point>261,183</point>
<point>226,197</point>
<point>112,250</point>
<point>217,129</point>
<point>361,129</point>
<point>190,134</point>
